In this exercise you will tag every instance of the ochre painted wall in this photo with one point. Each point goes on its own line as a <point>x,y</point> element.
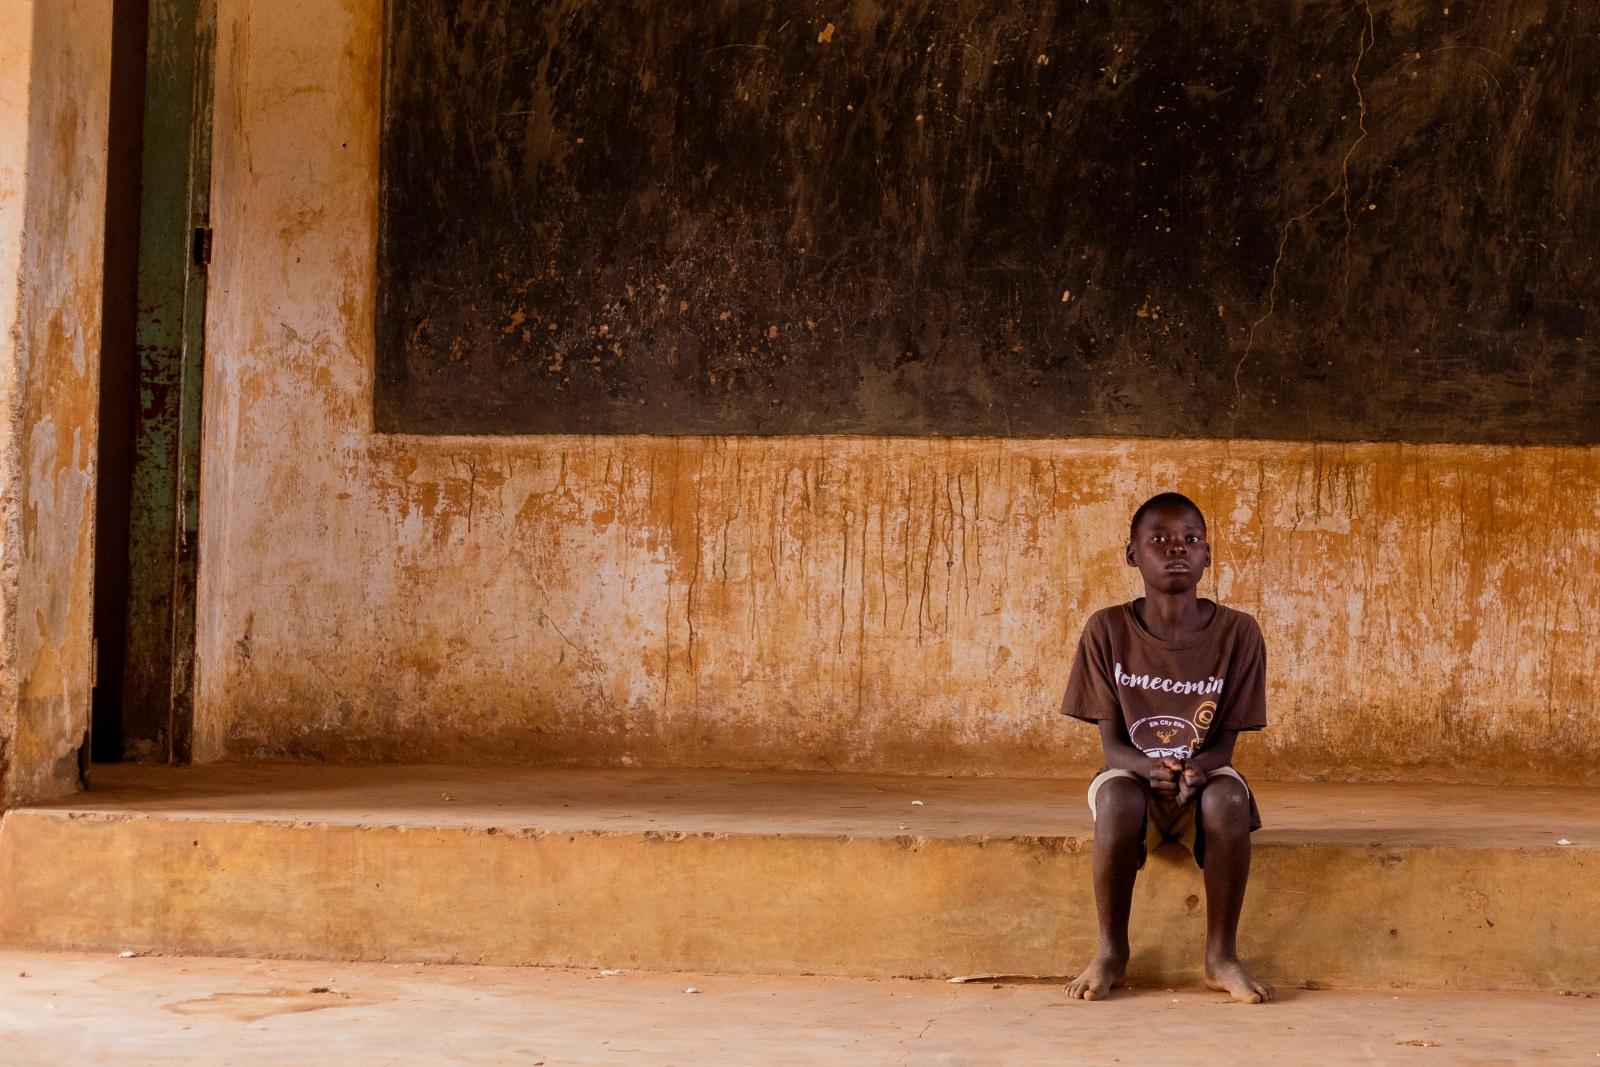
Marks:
<point>55,57</point>
<point>834,603</point>
<point>16,52</point>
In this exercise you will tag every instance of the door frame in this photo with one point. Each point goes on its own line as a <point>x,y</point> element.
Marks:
<point>174,251</point>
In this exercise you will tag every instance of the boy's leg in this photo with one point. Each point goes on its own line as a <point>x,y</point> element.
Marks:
<point>1119,825</point>
<point>1225,819</point>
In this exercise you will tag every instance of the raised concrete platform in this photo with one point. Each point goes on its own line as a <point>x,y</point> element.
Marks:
<point>1361,885</point>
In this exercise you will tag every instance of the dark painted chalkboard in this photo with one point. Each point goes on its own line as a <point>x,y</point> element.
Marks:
<point>1314,220</point>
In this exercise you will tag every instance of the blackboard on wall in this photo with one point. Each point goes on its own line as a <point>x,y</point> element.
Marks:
<point>1329,221</point>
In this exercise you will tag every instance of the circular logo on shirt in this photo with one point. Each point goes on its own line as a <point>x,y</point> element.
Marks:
<point>1165,735</point>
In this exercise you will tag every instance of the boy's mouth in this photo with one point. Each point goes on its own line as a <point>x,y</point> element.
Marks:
<point>1179,567</point>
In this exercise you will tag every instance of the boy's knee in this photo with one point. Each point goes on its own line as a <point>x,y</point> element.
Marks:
<point>1225,802</point>
<point>1119,806</point>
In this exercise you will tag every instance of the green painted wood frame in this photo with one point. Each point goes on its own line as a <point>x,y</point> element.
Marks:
<point>174,250</point>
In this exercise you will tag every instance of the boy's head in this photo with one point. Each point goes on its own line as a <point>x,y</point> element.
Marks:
<point>1167,542</point>
<point>1164,500</point>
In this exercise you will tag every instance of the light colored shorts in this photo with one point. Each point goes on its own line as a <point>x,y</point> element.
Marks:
<point>1165,822</point>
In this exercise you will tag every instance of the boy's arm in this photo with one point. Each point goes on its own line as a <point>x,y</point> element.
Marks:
<point>1216,755</point>
<point>1120,754</point>
<point>1245,709</point>
<point>1196,769</point>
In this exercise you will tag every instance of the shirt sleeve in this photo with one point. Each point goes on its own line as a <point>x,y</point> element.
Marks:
<point>1245,699</point>
<point>1091,695</point>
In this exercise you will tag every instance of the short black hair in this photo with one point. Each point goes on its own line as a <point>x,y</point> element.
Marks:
<point>1163,500</point>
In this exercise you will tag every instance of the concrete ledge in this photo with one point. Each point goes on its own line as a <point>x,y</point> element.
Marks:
<point>1353,885</point>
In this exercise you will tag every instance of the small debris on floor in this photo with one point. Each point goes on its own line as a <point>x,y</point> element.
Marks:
<point>918,803</point>
<point>612,973</point>
<point>1418,1042</point>
<point>691,989</point>
<point>1563,841</point>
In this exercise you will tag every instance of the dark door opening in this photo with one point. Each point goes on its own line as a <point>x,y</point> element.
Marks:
<point>118,373</point>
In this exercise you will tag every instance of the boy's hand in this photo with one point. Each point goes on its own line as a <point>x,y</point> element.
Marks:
<point>1190,781</point>
<point>1164,775</point>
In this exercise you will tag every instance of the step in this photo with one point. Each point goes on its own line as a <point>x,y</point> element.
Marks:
<point>1359,885</point>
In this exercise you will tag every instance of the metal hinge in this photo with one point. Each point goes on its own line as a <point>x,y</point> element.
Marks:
<point>202,246</point>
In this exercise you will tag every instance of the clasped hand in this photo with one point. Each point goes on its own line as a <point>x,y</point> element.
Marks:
<point>1176,781</point>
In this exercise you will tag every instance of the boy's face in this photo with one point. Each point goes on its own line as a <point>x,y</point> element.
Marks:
<point>1170,549</point>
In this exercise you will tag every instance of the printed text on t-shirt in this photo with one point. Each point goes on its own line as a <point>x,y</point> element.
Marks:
<point>1167,685</point>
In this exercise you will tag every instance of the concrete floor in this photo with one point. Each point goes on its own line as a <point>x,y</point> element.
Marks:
<point>74,1008</point>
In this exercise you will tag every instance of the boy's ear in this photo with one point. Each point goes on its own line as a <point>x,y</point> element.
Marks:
<point>1128,555</point>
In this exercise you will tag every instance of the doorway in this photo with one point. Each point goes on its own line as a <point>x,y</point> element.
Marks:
<point>158,241</point>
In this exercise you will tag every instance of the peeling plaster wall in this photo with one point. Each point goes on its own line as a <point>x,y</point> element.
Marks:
<point>16,50</point>
<point>55,189</point>
<point>837,603</point>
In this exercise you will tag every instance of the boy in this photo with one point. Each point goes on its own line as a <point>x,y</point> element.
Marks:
<point>1170,679</point>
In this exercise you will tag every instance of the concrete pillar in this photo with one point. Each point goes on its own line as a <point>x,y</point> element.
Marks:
<point>55,63</point>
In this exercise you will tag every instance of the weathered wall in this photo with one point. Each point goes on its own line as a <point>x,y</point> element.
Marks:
<point>62,50</point>
<point>842,603</point>
<point>16,50</point>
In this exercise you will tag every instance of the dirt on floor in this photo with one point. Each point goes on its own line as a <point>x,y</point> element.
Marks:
<point>59,1008</point>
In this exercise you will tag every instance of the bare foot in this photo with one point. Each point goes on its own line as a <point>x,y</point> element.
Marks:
<point>1229,976</point>
<point>1104,973</point>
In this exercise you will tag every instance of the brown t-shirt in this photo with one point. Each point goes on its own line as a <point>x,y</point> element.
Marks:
<point>1173,696</point>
